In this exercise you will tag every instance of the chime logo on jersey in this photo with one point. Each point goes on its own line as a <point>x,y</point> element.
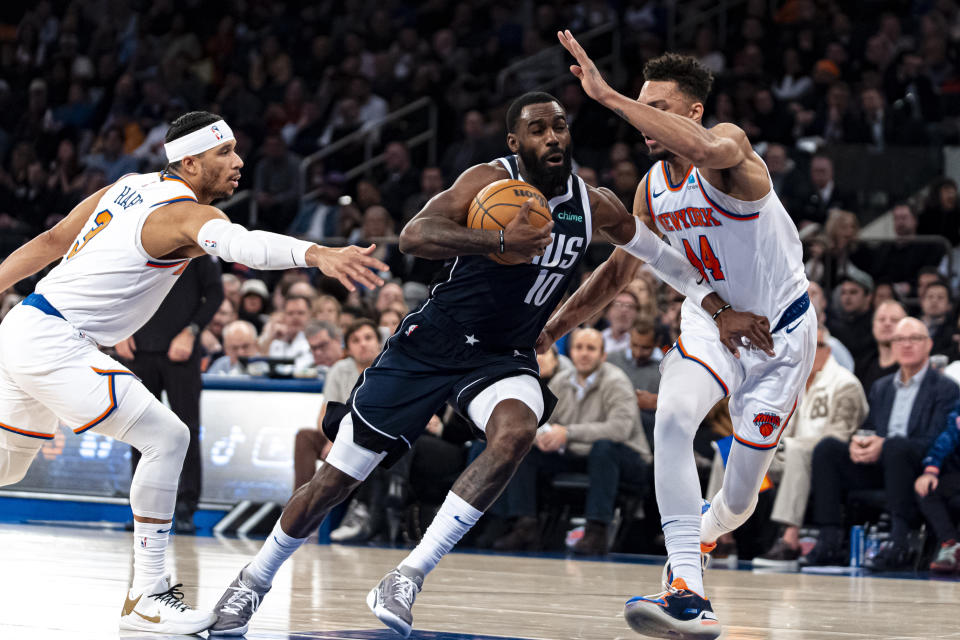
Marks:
<point>686,218</point>
<point>766,422</point>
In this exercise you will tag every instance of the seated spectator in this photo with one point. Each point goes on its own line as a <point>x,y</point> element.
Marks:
<point>811,203</point>
<point>275,183</point>
<point>326,309</point>
<point>881,360</point>
<point>399,179</point>
<point>907,411</point>
<point>833,406</point>
<point>254,303</point>
<point>898,262</point>
<point>231,290</point>
<point>363,345</point>
<point>839,352</point>
<point>595,428</point>
<point>620,316</point>
<point>211,338</point>
<point>643,370</point>
<point>319,214</point>
<point>325,343</point>
<point>283,337</point>
<point>938,489</point>
<point>941,213</point>
<point>851,322</point>
<point>239,341</point>
<point>937,314</point>
<point>111,158</point>
<point>389,319</point>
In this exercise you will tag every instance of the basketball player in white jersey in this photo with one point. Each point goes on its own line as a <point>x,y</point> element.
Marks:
<point>711,196</point>
<point>121,250</point>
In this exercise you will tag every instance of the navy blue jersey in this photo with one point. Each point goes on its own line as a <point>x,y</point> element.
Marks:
<point>506,306</point>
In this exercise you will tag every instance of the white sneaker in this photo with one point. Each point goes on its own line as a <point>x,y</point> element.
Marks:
<point>161,609</point>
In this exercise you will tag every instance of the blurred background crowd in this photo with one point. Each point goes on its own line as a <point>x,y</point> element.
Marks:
<point>349,117</point>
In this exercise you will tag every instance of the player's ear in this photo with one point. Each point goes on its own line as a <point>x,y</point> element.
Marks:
<point>696,111</point>
<point>513,143</point>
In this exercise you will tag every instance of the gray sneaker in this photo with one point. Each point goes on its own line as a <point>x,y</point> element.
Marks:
<point>237,605</point>
<point>392,599</point>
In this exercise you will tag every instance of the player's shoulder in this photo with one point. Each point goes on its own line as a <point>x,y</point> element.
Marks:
<point>731,131</point>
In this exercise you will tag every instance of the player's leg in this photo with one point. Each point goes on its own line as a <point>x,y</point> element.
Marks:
<point>760,410</point>
<point>688,390</point>
<point>509,411</point>
<point>346,466</point>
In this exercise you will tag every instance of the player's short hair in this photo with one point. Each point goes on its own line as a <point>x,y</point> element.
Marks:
<point>692,78</point>
<point>516,107</point>
<point>356,325</point>
<point>188,123</point>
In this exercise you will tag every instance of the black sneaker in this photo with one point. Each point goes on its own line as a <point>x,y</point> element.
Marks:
<point>825,554</point>
<point>780,556</point>
<point>891,557</point>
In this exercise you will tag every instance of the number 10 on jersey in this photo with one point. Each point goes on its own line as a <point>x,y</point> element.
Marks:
<point>707,260</point>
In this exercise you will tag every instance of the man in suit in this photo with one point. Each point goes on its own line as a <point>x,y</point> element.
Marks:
<point>811,202</point>
<point>907,411</point>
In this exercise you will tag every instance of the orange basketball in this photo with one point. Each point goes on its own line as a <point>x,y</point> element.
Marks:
<point>498,203</point>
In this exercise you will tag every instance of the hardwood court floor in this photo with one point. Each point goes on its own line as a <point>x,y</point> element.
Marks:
<point>58,583</point>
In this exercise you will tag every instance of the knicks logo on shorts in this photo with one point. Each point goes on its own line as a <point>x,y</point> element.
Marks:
<point>766,422</point>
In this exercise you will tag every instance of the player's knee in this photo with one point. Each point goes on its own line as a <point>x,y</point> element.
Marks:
<point>513,442</point>
<point>173,440</point>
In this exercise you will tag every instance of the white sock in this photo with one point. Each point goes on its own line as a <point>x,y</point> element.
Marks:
<point>274,552</point>
<point>149,554</point>
<point>682,537</point>
<point>720,519</point>
<point>454,519</point>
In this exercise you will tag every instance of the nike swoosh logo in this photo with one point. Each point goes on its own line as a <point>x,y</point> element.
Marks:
<point>792,329</point>
<point>129,604</point>
<point>163,530</point>
<point>457,518</point>
<point>154,619</point>
<point>657,195</point>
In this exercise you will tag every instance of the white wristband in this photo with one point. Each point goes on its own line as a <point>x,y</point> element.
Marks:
<point>256,249</point>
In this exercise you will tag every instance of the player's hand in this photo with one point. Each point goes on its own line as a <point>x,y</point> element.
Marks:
<point>519,236</point>
<point>593,83</point>
<point>544,341</point>
<point>349,265</point>
<point>125,348</point>
<point>736,325</point>
<point>181,346</point>
<point>926,484</point>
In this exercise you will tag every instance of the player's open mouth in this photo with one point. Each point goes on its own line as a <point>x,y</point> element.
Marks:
<point>554,159</point>
<point>235,181</point>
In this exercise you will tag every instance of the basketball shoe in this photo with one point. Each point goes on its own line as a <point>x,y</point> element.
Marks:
<point>237,605</point>
<point>392,600</point>
<point>677,613</point>
<point>161,609</point>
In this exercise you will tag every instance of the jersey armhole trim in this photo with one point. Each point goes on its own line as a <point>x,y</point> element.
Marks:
<point>729,214</point>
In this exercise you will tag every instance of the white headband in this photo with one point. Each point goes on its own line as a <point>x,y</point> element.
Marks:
<point>198,141</point>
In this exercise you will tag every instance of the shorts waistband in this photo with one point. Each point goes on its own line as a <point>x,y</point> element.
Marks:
<point>37,301</point>
<point>796,309</point>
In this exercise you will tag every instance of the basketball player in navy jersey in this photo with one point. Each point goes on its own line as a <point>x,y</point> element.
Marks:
<point>471,344</point>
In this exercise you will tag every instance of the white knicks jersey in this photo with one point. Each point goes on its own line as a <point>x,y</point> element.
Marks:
<point>749,252</point>
<point>106,285</point>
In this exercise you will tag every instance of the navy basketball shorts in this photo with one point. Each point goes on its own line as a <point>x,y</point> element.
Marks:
<point>428,362</point>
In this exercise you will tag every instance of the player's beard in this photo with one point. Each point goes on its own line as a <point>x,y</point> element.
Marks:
<point>551,181</point>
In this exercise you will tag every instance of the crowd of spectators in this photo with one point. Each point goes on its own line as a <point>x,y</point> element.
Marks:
<point>87,90</point>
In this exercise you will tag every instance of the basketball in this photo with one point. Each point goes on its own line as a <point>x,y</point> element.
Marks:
<point>498,203</point>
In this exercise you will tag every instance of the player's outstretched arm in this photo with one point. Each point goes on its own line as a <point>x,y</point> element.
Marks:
<point>439,230</point>
<point>188,230</point>
<point>49,245</point>
<point>721,147</point>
